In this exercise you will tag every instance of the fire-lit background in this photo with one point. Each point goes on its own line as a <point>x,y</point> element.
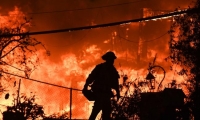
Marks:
<point>74,54</point>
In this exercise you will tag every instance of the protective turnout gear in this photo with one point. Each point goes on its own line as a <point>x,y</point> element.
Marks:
<point>89,94</point>
<point>103,78</point>
<point>109,55</point>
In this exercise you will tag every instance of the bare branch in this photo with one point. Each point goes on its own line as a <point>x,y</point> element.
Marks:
<point>10,51</point>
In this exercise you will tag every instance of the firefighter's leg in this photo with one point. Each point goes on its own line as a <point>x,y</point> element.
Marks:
<point>106,110</point>
<point>96,109</point>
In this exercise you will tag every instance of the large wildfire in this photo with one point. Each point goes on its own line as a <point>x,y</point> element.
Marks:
<point>75,54</point>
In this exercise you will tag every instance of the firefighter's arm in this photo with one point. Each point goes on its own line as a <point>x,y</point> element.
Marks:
<point>117,87</point>
<point>117,91</point>
<point>90,79</point>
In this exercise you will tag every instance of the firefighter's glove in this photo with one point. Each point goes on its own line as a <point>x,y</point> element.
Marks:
<point>85,87</point>
<point>118,96</point>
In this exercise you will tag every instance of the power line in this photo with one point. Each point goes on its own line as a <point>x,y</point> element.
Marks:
<point>156,37</point>
<point>2,62</point>
<point>163,16</point>
<point>40,81</point>
<point>79,9</point>
<point>144,40</point>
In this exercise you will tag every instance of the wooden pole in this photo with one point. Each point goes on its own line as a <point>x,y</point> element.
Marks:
<point>70,107</point>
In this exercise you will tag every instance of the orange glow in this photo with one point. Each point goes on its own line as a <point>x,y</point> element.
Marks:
<point>76,62</point>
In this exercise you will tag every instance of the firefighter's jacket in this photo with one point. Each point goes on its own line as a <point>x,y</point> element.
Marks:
<point>103,78</point>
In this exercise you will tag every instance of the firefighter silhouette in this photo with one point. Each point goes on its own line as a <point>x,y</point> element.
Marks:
<point>104,77</point>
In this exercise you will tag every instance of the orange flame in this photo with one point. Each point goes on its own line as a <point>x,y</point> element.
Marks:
<point>72,70</point>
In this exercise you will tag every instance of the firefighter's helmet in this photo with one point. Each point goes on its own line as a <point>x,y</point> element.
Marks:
<point>109,55</point>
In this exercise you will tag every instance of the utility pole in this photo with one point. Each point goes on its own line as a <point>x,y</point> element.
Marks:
<point>18,92</point>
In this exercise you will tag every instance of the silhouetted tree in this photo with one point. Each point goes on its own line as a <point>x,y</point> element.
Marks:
<point>184,51</point>
<point>25,108</point>
<point>128,105</point>
<point>17,53</point>
<point>58,116</point>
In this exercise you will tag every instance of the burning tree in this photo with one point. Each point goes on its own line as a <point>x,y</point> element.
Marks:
<point>18,56</point>
<point>17,53</point>
<point>184,51</point>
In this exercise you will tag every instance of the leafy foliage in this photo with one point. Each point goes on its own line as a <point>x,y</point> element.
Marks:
<point>184,51</point>
<point>128,105</point>
<point>57,116</point>
<point>24,108</point>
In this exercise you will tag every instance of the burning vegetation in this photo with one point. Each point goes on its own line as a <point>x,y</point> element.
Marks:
<point>49,82</point>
